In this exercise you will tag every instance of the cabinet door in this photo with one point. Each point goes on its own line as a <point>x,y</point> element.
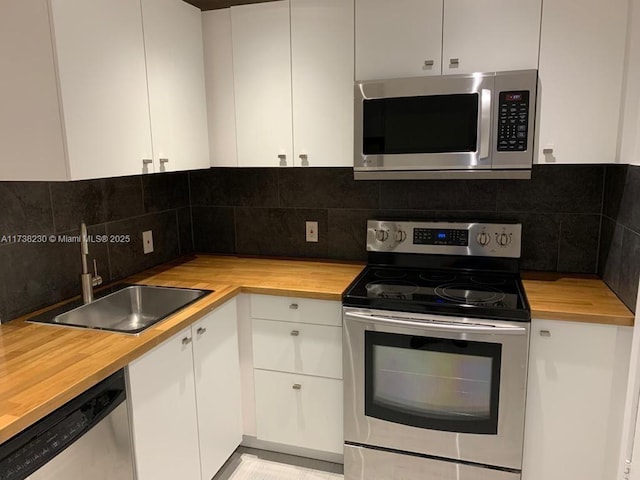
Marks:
<point>402,38</point>
<point>103,85</point>
<point>217,373</point>
<point>490,36</point>
<point>581,69</point>
<point>221,109</point>
<point>30,123</point>
<point>175,73</point>
<point>575,396</point>
<point>299,410</point>
<point>262,82</point>
<point>322,78</point>
<point>163,411</point>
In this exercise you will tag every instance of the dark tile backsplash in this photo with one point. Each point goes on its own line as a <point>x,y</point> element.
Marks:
<point>619,259</point>
<point>36,274</point>
<point>581,218</point>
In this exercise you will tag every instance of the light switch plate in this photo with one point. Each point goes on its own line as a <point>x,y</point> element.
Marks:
<point>312,231</point>
<point>147,241</point>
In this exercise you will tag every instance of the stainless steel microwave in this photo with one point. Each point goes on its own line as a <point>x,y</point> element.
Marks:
<point>478,125</point>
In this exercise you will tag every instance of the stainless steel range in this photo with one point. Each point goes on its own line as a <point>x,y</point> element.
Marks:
<point>436,341</point>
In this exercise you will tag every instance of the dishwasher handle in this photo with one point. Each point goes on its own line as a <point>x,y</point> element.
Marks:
<point>459,327</point>
<point>25,453</point>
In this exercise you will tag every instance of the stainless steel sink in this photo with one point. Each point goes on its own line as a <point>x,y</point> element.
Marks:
<point>130,309</point>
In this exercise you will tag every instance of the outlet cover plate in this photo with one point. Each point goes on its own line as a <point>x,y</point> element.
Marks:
<point>147,241</point>
<point>312,231</point>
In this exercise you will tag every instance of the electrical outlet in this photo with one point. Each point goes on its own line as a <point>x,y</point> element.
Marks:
<point>312,231</point>
<point>147,241</point>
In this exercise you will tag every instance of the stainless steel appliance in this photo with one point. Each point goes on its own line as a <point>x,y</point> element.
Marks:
<point>436,340</point>
<point>456,126</point>
<point>87,438</point>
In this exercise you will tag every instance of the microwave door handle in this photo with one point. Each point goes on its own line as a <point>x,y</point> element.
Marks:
<point>440,327</point>
<point>485,122</point>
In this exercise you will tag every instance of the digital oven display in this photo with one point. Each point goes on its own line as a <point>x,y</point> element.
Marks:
<point>432,236</point>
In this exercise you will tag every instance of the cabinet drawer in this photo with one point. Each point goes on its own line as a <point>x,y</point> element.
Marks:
<point>292,309</point>
<point>297,348</point>
<point>299,410</point>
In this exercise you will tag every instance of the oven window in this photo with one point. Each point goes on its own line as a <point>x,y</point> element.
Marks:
<point>434,383</point>
<point>426,124</point>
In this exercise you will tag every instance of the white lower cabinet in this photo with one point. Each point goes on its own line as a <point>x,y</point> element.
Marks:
<point>185,401</point>
<point>297,360</point>
<point>575,400</point>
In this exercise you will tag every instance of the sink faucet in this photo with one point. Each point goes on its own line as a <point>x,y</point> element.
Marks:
<point>87,280</point>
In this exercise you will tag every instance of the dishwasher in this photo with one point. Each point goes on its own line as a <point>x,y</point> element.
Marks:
<point>87,438</point>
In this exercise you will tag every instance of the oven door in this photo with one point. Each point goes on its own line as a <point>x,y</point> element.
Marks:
<point>440,386</point>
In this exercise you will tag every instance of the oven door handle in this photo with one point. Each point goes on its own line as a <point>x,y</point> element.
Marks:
<point>440,327</point>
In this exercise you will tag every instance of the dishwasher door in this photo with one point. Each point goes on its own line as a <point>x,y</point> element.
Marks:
<point>103,453</point>
<point>88,438</point>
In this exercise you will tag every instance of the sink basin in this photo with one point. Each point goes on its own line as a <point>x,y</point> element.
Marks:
<point>130,309</point>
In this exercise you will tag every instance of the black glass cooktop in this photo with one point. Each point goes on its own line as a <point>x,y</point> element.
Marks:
<point>444,292</point>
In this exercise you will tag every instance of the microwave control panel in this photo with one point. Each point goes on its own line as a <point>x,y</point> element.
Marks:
<point>513,121</point>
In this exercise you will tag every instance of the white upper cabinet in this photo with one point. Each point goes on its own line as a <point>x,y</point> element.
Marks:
<point>481,36</point>
<point>221,109</point>
<point>292,82</point>
<point>322,79</point>
<point>175,73</point>
<point>581,70</point>
<point>262,80</point>
<point>402,38</point>
<point>409,38</point>
<point>87,61</point>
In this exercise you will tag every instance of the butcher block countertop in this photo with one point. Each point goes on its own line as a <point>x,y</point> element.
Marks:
<point>44,366</point>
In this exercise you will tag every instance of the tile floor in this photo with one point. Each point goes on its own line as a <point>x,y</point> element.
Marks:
<point>253,464</point>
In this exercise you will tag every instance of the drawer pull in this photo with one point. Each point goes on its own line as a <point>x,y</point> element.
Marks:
<point>545,333</point>
<point>201,330</point>
<point>295,333</point>
<point>297,386</point>
<point>186,340</point>
<point>293,306</point>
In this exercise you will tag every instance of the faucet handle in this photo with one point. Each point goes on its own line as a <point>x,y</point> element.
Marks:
<point>97,279</point>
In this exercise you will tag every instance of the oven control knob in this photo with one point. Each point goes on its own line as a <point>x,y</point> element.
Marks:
<point>401,236</point>
<point>503,239</point>
<point>382,235</point>
<point>483,239</point>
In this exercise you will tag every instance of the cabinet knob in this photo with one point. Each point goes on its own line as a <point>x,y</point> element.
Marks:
<point>201,330</point>
<point>547,151</point>
<point>428,63</point>
<point>186,340</point>
<point>293,306</point>
<point>283,160</point>
<point>545,333</point>
<point>304,159</point>
<point>295,333</point>
<point>164,160</point>
<point>454,62</point>
<point>146,161</point>
<point>297,386</point>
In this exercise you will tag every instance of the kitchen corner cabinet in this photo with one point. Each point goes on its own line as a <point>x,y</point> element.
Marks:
<point>185,400</point>
<point>297,360</point>
<point>75,97</point>
<point>293,82</point>
<point>575,400</point>
<point>408,38</point>
<point>581,70</point>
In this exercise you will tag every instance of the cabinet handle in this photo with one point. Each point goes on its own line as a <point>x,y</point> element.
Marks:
<point>186,340</point>
<point>201,330</point>
<point>428,63</point>
<point>297,386</point>
<point>545,333</point>
<point>304,159</point>
<point>293,306</point>
<point>454,62</point>
<point>146,161</point>
<point>547,151</point>
<point>164,160</point>
<point>283,160</point>
<point>295,333</point>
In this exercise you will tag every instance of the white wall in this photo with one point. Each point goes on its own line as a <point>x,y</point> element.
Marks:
<point>629,138</point>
